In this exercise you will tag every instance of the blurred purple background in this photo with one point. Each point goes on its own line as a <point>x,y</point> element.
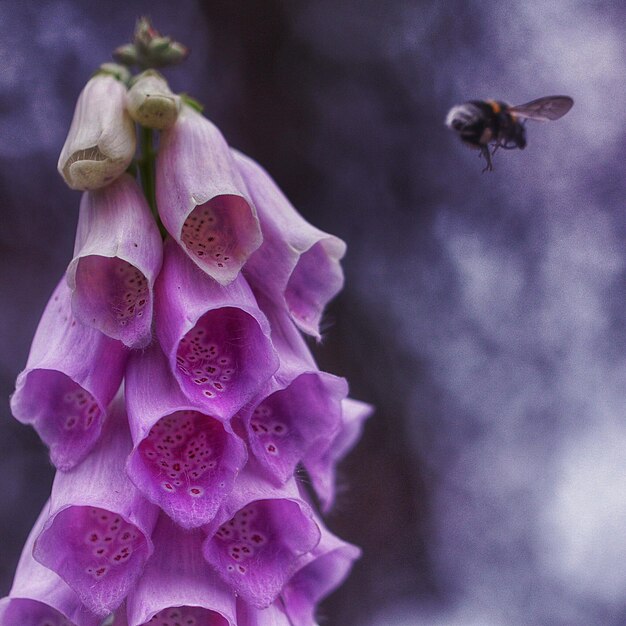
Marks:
<point>483,314</point>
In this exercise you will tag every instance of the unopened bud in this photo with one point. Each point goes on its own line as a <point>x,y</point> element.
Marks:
<point>151,103</point>
<point>101,141</point>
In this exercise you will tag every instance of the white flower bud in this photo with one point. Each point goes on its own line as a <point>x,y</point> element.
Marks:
<point>101,141</point>
<point>151,103</point>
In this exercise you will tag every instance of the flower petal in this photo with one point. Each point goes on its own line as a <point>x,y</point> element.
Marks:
<point>256,539</point>
<point>178,586</point>
<point>118,254</point>
<point>202,199</point>
<point>216,339</point>
<point>71,375</point>
<point>298,265</point>
<point>39,596</point>
<point>320,573</point>
<point>101,141</point>
<point>98,535</point>
<point>301,410</point>
<point>273,615</point>
<point>183,459</point>
<point>320,463</point>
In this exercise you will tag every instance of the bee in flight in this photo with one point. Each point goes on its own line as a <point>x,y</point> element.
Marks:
<point>481,123</point>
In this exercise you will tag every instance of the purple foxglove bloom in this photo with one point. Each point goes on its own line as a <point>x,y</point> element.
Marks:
<point>320,572</point>
<point>298,264</point>
<point>258,536</point>
<point>117,257</point>
<point>101,141</point>
<point>183,459</point>
<point>216,339</point>
<point>178,586</point>
<point>72,373</point>
<point>38,596</point>
<point>301,408</point>
<point>202,199</point>
<point>273,615</point>
<point>320,463</point>
<point>98,535</point>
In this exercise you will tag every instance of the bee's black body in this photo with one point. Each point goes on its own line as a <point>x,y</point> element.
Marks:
<point>480,123</point>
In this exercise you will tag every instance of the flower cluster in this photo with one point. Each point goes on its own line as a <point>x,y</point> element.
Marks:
<point>171,382</point>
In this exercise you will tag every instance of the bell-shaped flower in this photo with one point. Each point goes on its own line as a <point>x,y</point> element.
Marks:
<point>273,615</point>
<point>258,536</point>
<point>321,463</point>
<point>97,537</point>
<point>183,459</point>
<point>117,257</point>
<point>215,337</point>
<point>202,199</point>
<point>297,265</point>
<point>72,373</point>
<point>301,406</point>
<point>319,573</point>
<point>178,586</point>
<point>101,141</point>
<point>38,596</point>
<point>151,103</point>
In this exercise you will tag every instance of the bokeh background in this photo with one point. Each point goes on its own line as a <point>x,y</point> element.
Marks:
<point>483,314</point>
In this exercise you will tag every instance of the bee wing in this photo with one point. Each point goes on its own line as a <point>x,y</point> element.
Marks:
<point>544,109</point>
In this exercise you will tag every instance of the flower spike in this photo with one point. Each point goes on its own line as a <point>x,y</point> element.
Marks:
<point>117,257</point>
<point>71,375</point>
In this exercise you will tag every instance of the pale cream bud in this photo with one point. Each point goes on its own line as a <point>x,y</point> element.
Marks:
<point>101,141</point>
<point>151,103</point>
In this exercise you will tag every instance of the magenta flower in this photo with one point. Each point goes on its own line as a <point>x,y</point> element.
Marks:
<point>301,406</point>
<point>97,537</point>
<point>321,463</point>
<point>178,586</point>
<point>71,375</point>
<point>183,459</point>
<point>202,199</point>
<point>38,596</point>
<point>297,265</point>
<point>273,615</point>
<point>117,257</point>
<point>257,538</point>
<point>215,337</point>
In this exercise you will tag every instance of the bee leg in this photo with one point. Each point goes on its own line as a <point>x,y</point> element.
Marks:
<point>484,151</point>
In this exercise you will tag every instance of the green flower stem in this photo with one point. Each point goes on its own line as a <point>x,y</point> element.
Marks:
<point>146,166</point>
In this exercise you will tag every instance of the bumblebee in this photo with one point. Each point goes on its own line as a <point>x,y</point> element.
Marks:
<point>481,123</point>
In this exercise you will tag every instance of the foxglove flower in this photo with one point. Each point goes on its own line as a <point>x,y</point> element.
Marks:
<point>97,537</point>
<point>183,459</point>
<point>38,596</point>
<point>255,541</point>
<point>321,463</point>
<point>298,264</point>
<point>178,586</point>
<point>301,407</point>
<point>72,373</point>
<point>151,103</point>
<point>117,256</point>
<point>202,199</point>
<point>101,141</point>
<point>319,573</point>
<point>215,338</point>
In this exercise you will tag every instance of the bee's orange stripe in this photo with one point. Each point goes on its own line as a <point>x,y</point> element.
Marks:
<point>495,106</point>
